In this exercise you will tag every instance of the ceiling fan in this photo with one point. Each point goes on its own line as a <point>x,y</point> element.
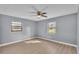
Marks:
<point>39,13</point>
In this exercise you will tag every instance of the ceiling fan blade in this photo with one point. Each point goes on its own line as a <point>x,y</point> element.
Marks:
<point>34,8</point>
<point>44,16</point>
<point>44,8</point>
<point>32,12</point>
<point>33,15</point>
<point>44,13</point>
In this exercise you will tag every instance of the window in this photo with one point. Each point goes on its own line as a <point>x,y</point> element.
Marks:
<point>52,28</point>
<point>16,26</point>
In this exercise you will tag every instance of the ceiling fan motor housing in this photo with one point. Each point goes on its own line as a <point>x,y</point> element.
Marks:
<point>38,12</point>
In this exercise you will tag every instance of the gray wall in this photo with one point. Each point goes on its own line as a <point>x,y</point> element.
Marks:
<point>78,32</point>
<point>66,28</point>
<point>8,36</point>
<point>0,30</point>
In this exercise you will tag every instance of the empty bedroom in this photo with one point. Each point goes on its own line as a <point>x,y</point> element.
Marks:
<point>39,28</point>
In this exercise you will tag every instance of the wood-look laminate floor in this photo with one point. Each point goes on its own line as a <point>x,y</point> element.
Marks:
<point>37,46</point>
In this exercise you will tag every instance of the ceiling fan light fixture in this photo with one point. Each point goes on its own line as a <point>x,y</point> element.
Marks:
<point>39,16</point>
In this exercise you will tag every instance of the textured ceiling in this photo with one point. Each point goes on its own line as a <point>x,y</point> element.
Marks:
<point>23,10</point>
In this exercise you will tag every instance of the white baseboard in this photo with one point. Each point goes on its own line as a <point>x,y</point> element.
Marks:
<point>58,42</point>
<point>27,38</point>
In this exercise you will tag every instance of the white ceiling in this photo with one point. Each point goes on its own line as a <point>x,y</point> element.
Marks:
<point>23,10</point>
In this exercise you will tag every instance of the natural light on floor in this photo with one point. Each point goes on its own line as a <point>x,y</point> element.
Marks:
<point>33,41</point>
